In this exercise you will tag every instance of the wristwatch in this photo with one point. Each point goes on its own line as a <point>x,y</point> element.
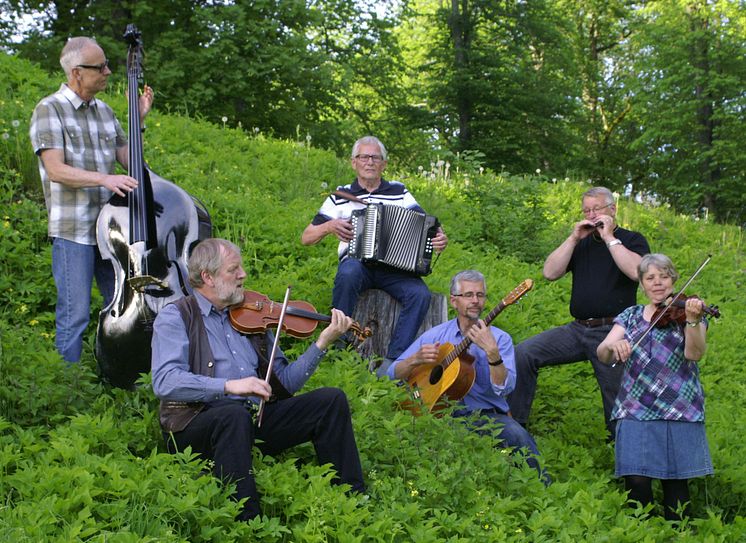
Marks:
<point>496,363</point>
<point>614,242</point>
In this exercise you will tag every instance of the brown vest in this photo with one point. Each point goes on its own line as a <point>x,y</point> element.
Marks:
<point>175,416</point>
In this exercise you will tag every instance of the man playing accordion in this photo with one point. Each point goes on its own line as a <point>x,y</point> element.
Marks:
<point>355,276</point>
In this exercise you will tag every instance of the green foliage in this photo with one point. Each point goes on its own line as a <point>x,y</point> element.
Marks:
<point>83,462</point>
<point>690,95</point>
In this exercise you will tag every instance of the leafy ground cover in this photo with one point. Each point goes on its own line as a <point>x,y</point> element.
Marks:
<point>83,462</point>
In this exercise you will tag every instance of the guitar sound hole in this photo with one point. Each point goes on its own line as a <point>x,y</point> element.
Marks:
<point>436,374</point>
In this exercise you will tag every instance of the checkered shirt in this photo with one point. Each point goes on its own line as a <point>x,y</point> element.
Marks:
<point>658,382</point>
<point>89,134</point>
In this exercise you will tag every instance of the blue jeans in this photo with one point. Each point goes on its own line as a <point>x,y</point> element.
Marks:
<point>566,344</point>
<point>511,434</point>
<point>354,277</point>
<point>74,266</point>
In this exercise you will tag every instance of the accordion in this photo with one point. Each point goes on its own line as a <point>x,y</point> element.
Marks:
<point>393,235</point>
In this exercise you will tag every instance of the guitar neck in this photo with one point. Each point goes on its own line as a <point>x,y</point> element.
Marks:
<point>461,347</point>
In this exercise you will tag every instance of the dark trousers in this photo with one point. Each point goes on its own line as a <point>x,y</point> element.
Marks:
<point>572,342</point>
<point>510,434</point>
<point>224,432</point>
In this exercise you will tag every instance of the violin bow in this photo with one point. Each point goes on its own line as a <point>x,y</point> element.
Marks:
<point>669,304</point>
<point>260,413</point>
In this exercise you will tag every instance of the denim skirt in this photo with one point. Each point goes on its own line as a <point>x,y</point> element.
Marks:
<point>662,449</point>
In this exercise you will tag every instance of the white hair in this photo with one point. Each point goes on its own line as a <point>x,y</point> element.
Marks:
<point>369,140</point>
<point>660,261</point>
<point>602,192</point>
<point>72,53</point>
<point>473,276</point>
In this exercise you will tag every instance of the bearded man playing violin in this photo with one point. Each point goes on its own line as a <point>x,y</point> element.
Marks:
<point>494,365</point>
<point>602,258</point>
<point>660,406</point>
<point>210,380</point>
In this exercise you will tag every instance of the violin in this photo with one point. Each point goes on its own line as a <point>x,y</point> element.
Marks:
<point>676,312</point>
<point>257,313</point>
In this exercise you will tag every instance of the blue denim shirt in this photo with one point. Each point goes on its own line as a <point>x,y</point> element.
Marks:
<point>235,358</point>
<point>484,394</point>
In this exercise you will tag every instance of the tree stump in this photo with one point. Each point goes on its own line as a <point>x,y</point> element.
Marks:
<point>379,311</point>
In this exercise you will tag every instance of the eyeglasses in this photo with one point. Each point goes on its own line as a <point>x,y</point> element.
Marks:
<point>100,67</point>
<point>477,295</point>
<point>589,210</point>
<point>365,158</point>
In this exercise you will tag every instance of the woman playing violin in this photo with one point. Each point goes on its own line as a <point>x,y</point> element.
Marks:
<point>660,432</point>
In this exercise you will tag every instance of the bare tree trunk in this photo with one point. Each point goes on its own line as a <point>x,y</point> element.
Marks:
<point>709,171</point>
<point>461,31</point>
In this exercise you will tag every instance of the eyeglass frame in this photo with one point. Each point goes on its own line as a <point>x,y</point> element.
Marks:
<point>100,67</point>
<point>376,159</point>
<point>470,295</point>
<point>587,211</point>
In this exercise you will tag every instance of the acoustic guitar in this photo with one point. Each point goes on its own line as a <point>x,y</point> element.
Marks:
<point>453,375</point>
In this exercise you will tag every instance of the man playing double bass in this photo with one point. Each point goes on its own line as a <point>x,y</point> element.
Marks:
<point>78,141</point>
<point>210,379</point>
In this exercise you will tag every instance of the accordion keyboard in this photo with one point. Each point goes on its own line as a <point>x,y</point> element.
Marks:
<point>393,235</point>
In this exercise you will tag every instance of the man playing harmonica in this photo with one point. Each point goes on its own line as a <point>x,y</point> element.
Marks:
<point>603,259</point>
<point>353,276</point>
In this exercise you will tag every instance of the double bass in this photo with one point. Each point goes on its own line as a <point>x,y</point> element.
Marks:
<point>147,235</point>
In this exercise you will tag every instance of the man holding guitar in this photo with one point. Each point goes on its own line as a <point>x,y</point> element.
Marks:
<point>488,363</point>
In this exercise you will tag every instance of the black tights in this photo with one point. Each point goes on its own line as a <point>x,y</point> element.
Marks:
<point>675,492</point>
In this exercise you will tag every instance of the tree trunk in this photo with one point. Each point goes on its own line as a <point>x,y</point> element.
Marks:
<point>379,311</point>
<point>709,172</point>
<point>461,30</point>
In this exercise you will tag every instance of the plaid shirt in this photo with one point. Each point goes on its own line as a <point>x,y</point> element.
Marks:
<point>658,382</point>
<point>89,134</point>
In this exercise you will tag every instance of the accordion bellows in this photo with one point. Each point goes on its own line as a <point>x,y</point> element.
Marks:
<point>393,235</point>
